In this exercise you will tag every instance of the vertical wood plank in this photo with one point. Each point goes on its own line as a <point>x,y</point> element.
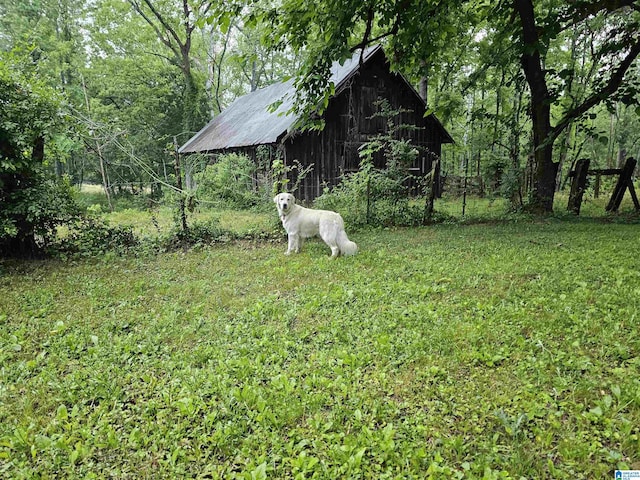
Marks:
<point>578,185</point>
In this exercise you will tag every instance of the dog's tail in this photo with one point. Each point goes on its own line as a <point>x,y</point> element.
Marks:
<point>346,246</point>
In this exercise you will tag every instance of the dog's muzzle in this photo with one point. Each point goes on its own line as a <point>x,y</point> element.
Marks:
<point>284,208</point>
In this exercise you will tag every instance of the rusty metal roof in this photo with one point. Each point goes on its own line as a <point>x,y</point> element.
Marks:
<point>248,121</point>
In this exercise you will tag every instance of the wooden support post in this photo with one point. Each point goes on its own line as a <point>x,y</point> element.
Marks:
<point>578,185</point>
<point>431,194</point>
<point>368,201</point>
<point>634,197</point>
<point>596,189</point>
<point>181,205</point>
<point>464,192</point>
<point>625,181</point>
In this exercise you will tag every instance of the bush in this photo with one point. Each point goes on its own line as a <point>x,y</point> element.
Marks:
<point>32,202</point>
<point>31,214</point>
<point>372,200</point>
<point>511,187</point>
<point>228,182</point>
<point>366,197</point>
<point>374,196</point>
<point>92,236</point>
<point>198,234</point>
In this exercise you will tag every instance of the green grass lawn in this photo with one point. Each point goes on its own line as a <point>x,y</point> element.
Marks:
<point>481,351</point>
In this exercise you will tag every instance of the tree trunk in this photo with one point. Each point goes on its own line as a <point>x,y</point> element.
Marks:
<point>515,196</point>
<point>544,177</point>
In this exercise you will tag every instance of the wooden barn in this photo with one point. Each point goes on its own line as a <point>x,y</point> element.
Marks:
<point>248,125</point>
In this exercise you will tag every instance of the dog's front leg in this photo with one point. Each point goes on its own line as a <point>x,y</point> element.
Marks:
<point>294,244</point>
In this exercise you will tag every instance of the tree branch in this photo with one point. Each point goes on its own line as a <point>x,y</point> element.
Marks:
<point>136,6</point>
<point>597,97</point>
<point>367,31</point>
<point>582,10</point>
<point>395,28</point>
<point>169,29</point>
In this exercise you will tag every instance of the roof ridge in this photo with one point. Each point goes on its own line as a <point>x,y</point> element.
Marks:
<point>252,120</point>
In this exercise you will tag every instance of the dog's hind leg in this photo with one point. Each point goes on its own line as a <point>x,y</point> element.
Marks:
<point>333,245</point>
<point>328,235</point>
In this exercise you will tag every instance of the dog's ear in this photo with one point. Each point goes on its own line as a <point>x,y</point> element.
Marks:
<point>293,199</point>
<point>275,199</point>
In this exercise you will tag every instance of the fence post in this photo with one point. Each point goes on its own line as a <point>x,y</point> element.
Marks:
<point>624,181</point>
<point>464,192</point>
<point>578,185</point>
<point>368,199</point>
<point>431,195</point>
<point>183,213</point>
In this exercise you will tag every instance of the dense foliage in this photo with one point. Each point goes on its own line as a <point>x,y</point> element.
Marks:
<point>384,192</point>
<point>228,181</point>
<point>33,202</point>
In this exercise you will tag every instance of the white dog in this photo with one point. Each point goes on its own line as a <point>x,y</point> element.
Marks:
<point>301,223</point>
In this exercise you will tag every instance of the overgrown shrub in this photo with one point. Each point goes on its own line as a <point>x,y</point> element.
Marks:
<point>370,197</point>
<point>92,236</point>
<point>285,178</point>
<point>511,187</point>
<point>228,182</point>
<point>32,202</point>
<point>361,206</point>
<point>198,234</point>
<point>503,179</point>
<point>30,215</point>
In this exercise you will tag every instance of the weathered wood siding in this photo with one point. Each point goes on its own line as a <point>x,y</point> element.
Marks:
<point>348,124</point>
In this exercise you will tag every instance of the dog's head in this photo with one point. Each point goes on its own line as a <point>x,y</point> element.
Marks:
<point>284,202</point>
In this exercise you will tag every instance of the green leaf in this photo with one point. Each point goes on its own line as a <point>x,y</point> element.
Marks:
<point>259,473</point>
<point>62,413</point>
<point>615,389</point>
<point>597,411</point>
<point>224,22</point>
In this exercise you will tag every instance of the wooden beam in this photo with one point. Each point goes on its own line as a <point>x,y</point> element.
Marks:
<point>600,171</point>
<point>634,197</point>
<point>624,182</point>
